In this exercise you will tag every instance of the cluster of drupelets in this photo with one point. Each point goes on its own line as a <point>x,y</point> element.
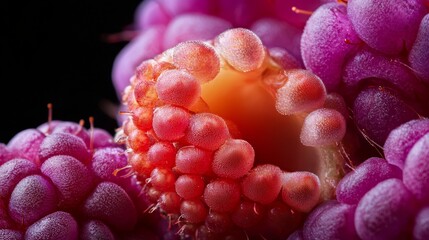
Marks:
<point>372,53</point>
<point>196,171</point>
<point>57,182</point>
<point>382,198</point>
<point>367,68</point>
<point>162,24</point>
<point>380,69</point>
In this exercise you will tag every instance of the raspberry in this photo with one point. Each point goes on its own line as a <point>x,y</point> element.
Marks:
<point>62,181</point>
<point>380,198</point>
<point>159,25</point>
<point>236,142</point>
<point>375,58</point>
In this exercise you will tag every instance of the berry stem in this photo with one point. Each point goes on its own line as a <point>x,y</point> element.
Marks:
<point>301,11</point>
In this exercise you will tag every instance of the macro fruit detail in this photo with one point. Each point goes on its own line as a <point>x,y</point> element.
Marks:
<point>59,181</point>
<point>250,136</point>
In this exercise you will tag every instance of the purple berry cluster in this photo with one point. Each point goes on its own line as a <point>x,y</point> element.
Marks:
<point>59,181</point>
<point>382,198</point>
<point>375,54</point>
<point>162,24</point>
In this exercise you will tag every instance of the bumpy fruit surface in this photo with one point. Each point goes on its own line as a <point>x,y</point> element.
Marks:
<point>159,25</point>
<point>60,181</point>
<point>380,198</point>
<point>371,52</point>
<point>227,140</point>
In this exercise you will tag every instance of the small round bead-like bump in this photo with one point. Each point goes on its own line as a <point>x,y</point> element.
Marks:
<point>401,139</point>
<point>241,48</point>
<point>130,100</point>
<point>111,204</point>
<point>301,190</point>
<point>385,211</point>
<point>178,87</point>
<point>207,130</point>
<point>128,126</point>
<point>354,185</point>
<point>169,202</point>
<point>26,143</point>
<point>198,58</point>
<point>55,144</point>
<point>189,186</point>
<point>74,184</point>
<point>162,179</point>
<point>416,170</point>
<point>263,183</point>
<point>193,211</point>
<point>139,163</point>
<point>331,220</point>
<point>302,92</point>
<point>12,172</point>
<point>170,122</point>
<point>33,197</point>
<point>193,160</point>
<point>283,58</point>
<point>57,225</point>
<point>233,159</point>
<point>95,229</point>
<point>336,101</point>
<point>142,118</point>
<point>153,194</point>
<point>162,154</point>
<point>421,224</point>
<point>138,141</point>
<point>145,70</point>
<point>323,127</point>
<point>222,195</point>
<point>218,222</point>
<point>145,93</point>
<point>10,234</point>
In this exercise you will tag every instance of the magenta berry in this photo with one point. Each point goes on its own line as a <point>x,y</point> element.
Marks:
<point>69,189</point>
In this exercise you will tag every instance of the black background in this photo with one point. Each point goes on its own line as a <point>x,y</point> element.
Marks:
<point>53,51</point>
